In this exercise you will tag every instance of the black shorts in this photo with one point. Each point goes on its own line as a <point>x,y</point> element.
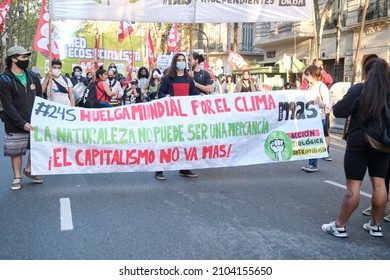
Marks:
<point>325,126</point>
<point>357,162</point>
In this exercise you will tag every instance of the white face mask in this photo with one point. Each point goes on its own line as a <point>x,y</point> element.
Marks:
<point>56,72</point>
<point>77,74</point>
<point>156,75</point>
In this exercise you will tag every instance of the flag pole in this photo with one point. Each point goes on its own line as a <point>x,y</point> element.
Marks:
<point>50,52</point>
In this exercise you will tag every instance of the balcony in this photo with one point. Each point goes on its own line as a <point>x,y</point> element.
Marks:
<point>331,23</point>
<point>375,10</point>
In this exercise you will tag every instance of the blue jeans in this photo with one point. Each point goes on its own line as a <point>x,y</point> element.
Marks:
<point>314,161</point>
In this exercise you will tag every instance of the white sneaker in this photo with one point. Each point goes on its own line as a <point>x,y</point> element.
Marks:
<point>375,230</point>
<point>333,230</point>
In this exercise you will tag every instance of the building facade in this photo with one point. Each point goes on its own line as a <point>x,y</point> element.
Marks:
<point>297,38</point>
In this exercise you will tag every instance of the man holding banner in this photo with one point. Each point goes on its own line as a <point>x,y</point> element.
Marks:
<point>18,88</point>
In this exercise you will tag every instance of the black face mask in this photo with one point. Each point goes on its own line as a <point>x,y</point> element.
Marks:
<point>22,64</point>
<point>110,78</point>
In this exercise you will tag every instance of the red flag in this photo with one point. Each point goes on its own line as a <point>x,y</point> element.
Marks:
<point>174,43</point>
<point>125,29</point>
<point>41,42</point>
<point>4,8</point>
<point>129,68</point>
<point>151,56</point>
<point>95,52</point>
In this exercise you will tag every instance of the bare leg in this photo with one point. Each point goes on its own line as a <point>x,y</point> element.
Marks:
<point>28,166</point>
<point>16,163</point>
<point>379,199</point>
<point>350,202</point>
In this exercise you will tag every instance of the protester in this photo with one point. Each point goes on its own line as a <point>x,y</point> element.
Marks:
<point>62,91</point>
<point>365,103</point>
<point>201,78</point>
<point>229,85</point>
<point>322,99</point>
<point>114,85</point>
<point>245,84</point>
<point>103,92</point>
<point>90,78</point>
<point>177,82</point>
<point>132,93</point>
<point>18,88</point>
<point>326,78</point>
<point>77,76</point>
<point>150,89</point>
<point>142,76</point>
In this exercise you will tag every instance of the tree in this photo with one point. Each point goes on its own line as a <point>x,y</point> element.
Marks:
<point>320,19</point>
<point>21,23</point>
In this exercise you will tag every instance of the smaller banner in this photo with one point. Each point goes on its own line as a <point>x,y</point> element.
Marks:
<point>151,56</point>
<point>125,29</point>
<point>174,42</point>
<point>41,42</point>
<point>177,133</point>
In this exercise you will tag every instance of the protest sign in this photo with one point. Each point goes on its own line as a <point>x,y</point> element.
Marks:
<point>177,133</point>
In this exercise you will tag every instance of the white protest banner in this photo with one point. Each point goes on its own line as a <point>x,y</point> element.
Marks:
<point>177,133</point>
<point>173,11</point>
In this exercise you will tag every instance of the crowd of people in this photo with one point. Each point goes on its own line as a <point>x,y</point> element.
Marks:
<point>365,102</point>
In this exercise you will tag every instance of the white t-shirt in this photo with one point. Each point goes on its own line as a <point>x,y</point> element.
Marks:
<point>57,96</point>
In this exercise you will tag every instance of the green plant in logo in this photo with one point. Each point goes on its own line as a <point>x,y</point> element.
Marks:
<point>278,146</point>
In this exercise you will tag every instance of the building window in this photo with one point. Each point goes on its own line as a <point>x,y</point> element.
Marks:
<point>247,36</point>
<point>375,9</point>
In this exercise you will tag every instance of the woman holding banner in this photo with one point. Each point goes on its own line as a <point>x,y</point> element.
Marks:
<point>177,82</point>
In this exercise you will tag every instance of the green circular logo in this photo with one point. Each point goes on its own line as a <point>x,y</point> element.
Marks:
<point>278,146</point>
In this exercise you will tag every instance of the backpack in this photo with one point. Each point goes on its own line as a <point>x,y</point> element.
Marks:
<point>377,134</point>
<point>6,79</point>
<point>89,98</point>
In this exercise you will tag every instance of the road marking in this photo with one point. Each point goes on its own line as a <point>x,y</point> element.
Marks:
<point>66,214</point>
<point>345,187</point>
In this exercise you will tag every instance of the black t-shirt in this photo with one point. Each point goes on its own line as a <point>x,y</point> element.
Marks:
<point>202,77</point>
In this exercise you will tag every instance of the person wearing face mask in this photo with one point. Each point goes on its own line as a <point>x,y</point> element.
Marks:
<point>115,86</point>
<point>18,88</point>
<point>89,78</point>
<point>245,84</point>
<point>150,89</point>
<point>61,89</point>
<point>177,82</point>
<point>77,77</point>
<point>142,76</point>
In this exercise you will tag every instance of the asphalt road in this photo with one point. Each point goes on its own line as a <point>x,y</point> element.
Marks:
<point>269,211</point>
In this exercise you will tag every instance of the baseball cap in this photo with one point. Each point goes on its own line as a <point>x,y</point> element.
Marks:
<point>133,82</point>
<point>17,50</point>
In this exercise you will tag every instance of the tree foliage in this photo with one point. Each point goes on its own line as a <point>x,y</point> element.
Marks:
<point>20,27</point>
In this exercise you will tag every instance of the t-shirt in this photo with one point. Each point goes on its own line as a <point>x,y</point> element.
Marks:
<point>58,96</point>
<point>202,77</point>
<point>179,86</point>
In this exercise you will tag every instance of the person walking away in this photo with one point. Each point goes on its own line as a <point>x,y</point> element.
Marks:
<point>176,83</point>
<point>365,103</point>
<point>245,84</point>
<point>201,78</point>
<point>62,91</point>
<point>322,99</point>
<point>18,88</point>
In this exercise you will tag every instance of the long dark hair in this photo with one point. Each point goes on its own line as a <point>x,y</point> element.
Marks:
<point>172,72</point>
<point>99,72</point>
<point>375,97</point>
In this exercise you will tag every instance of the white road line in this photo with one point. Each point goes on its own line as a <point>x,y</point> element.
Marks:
<point>66,214</point>
<point>345,187</point>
